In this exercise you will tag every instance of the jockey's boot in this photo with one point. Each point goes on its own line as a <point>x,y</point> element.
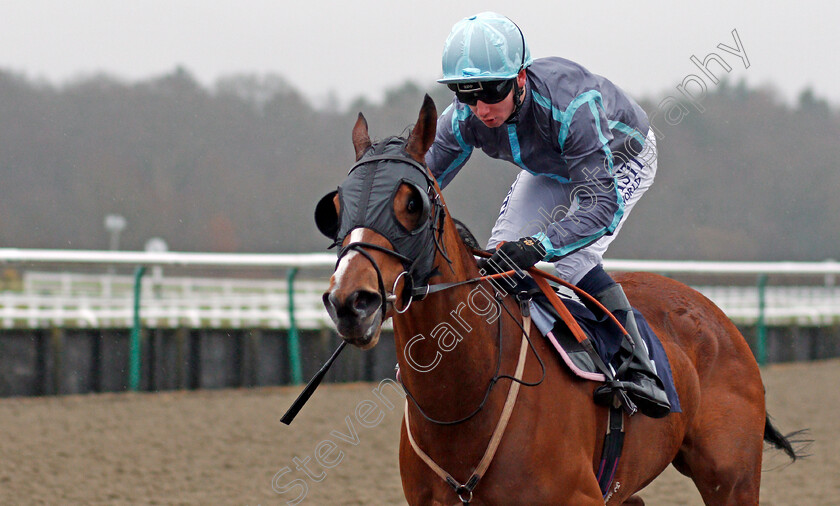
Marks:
<point>640,381</point>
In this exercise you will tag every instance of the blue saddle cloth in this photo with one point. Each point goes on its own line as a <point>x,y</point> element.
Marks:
<point>607,339</point>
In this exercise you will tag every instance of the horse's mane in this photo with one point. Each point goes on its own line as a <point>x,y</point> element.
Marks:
<point>466,236</point>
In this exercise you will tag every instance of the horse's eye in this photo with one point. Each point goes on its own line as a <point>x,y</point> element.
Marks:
<point>413,205</point>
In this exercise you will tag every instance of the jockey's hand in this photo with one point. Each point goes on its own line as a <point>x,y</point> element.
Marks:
<point>521,254</point>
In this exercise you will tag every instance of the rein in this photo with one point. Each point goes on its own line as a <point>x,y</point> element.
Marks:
<point>535,272</point>
<point>539,276</point>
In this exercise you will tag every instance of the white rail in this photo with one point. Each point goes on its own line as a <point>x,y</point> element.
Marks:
<point>32,256</point>
<point>785,305</point>
<point>104,300</point>
<point>705,267</point>
<point>327,260</point>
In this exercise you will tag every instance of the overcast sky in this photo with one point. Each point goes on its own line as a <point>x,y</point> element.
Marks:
<point>362,47</point>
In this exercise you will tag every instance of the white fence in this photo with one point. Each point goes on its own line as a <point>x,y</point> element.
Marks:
<point>69,299</point>
<point>101,300</point>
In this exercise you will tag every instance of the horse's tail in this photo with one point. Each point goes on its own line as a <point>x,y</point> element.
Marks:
<point>793,448</point>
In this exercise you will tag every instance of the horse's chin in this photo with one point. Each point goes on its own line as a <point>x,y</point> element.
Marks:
<point>370,343</point>
<point>364,335</point>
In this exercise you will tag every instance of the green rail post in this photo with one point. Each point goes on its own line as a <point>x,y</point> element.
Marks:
<point>294,344</point>
<point>134,359</point>
<point>761,324</point>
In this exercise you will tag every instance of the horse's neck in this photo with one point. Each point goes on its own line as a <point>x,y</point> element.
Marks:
<point>447,344</point>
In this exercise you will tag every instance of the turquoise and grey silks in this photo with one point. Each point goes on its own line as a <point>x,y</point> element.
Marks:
<point>574,128</point>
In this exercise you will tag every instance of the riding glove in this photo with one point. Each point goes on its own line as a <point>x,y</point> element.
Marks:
<point>521,254</point>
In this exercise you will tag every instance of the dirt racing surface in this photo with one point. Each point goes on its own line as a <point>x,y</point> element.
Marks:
<point>228,447</point>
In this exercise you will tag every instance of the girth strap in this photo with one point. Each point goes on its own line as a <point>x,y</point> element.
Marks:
<point>465,491</point>
<point>611,452</point>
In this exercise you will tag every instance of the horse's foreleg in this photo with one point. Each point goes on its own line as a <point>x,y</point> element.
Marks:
<point>633,500</point>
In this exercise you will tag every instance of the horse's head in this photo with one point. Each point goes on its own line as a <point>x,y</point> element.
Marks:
<point>387,217</point>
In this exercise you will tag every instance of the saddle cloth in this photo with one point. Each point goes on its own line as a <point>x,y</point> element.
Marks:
<point>607,341</point>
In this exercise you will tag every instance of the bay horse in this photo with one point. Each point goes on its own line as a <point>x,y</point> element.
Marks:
<point>454,345</point>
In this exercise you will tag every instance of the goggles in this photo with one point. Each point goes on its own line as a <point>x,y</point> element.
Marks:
<point>489,92</point>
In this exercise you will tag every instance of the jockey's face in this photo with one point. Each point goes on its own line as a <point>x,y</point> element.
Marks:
<point>495,115</point>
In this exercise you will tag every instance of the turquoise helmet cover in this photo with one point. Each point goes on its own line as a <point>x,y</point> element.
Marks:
<point>484,47</point>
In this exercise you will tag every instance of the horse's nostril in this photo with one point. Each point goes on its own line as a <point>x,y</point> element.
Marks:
<point>364,303</point>
<point>360,304</point>
<point>330,301</point>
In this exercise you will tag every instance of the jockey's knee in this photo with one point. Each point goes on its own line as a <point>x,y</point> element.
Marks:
<point>595,281</point>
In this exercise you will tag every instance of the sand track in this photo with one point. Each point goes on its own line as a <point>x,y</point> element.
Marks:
<point>227,447</point>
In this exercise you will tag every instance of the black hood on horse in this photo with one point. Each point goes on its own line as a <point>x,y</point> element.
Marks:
<point>366,201</point>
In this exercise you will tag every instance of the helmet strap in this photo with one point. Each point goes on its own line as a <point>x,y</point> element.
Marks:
<point>517,102</point>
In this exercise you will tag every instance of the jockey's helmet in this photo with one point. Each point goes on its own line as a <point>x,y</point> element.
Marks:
<point>484,47</point>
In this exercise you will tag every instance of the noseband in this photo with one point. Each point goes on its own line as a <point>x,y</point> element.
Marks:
<point>360,247</point>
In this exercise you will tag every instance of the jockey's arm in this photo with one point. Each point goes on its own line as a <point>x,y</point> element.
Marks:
<point>599,206</point>
<point>597,213</point>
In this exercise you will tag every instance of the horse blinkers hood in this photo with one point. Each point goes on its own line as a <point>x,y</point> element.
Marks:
<point>366,201</point>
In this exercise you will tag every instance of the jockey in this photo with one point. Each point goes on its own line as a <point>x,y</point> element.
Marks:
<point>586,154</point>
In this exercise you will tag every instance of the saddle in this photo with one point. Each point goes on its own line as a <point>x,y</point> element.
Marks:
<point>606,339</point>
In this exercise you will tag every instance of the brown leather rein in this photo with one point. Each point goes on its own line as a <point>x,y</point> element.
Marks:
<point>542,278</point>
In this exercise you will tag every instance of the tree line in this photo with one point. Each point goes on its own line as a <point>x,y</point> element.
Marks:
<point>239,166</point>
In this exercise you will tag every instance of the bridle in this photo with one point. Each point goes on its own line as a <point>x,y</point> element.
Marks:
<point>365,199</point>
<point>417,271</point>
<point>416,286</point>
<point>413,269</point>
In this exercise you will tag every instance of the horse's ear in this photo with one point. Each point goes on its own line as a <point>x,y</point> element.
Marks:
<point>361,139</point>
<point>423,134</point>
